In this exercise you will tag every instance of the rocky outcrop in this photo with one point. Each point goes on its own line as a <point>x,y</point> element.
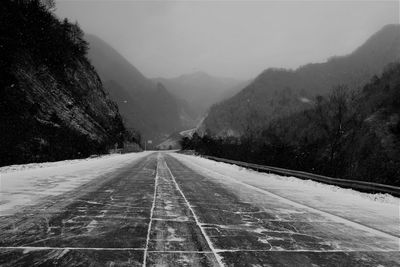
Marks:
<point>44,117</point>
<point>51,108</point>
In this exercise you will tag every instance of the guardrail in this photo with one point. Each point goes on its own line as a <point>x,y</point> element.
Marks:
<point>353,184</point>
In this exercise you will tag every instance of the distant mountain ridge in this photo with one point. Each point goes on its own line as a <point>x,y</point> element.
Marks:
<point>279,92</point>
<point>117,68</point>
<point>145,105</point>
<point>201,90</point>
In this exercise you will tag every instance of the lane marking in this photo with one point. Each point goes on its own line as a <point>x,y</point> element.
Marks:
<point>303,250</point>
<point>303,206</point>
<point>110,205</point>
<point>181,251</point>
<point>151,213</point>
<point>270,250</point>
<point>172,220</point>
<point>69,248</point>
<point>195,251</point>
<point>210,245</point>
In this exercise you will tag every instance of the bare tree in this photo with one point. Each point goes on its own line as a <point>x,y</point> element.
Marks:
<point>333,116</point>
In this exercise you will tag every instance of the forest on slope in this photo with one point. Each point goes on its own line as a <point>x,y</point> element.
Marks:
<point>353,134</point>
<point>52,103</point>
<point>277,93</point>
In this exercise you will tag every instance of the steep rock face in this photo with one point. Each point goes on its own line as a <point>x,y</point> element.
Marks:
<point>45,118</point>
<point>145,105</point>
<point>50,110</point>
<point>277,92</point>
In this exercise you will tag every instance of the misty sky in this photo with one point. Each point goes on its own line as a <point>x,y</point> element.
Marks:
<point>229,38</point>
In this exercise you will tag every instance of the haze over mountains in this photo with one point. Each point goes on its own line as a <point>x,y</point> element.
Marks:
<point>201,90</point>
<point>157,107</point>
<point>340,118</point>
<point>160,107</point>
<point>146,106</point>
<point>279,92</point>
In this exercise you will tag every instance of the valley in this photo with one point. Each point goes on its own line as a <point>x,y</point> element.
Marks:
<point>199,133</point>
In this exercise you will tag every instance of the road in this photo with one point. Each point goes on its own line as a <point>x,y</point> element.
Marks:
<point>158,211</point>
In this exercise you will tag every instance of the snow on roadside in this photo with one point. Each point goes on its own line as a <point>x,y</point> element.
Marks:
<point>22,185</point>
<point>380,211</point>
<point>379,197</point>
<point>21,167</point>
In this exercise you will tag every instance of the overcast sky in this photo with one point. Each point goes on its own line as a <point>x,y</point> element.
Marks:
<point>229,38</point>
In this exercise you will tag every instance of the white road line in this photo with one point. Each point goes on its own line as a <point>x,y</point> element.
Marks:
<point>171,220</point>
<point>303,250</point>
<point>69,248</point>
<point>333,217</point>
<point>181,251</point>
<point>192,252</point>
<point>217,257</point>
<point>112,205</point>
<point>151,213</point>
<point>272,250</point>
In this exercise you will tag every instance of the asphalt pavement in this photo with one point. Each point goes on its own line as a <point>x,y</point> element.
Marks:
<point>159,212</point>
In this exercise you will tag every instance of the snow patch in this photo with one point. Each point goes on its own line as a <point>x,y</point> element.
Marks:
<point>22,185</point>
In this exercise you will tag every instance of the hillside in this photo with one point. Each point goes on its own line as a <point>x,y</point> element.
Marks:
<point>279,92</point>
<point>201,90</point>
<point>145,105</point>
<point>52,102</point>
<point>352,135</point>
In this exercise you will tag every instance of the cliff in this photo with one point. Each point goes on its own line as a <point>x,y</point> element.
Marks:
<point>52,102</point>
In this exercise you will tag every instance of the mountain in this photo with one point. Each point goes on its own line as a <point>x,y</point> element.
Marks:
<point>279,92</point>
<point>144,104</point>
<point>52,103</point>
<point>201,90</point>
<point>172,142</point>
<point>111,65</point>
<point>378,143</point>
<point>175,139</point>
<point>345,134</point>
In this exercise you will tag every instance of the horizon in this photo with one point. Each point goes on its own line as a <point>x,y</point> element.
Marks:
<point>172,38</point>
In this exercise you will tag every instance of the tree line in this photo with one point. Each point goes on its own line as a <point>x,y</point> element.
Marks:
<point>352,134</point>
<point>40,34</point>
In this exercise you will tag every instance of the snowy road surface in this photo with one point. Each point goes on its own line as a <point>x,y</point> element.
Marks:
<point>168,209</point>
